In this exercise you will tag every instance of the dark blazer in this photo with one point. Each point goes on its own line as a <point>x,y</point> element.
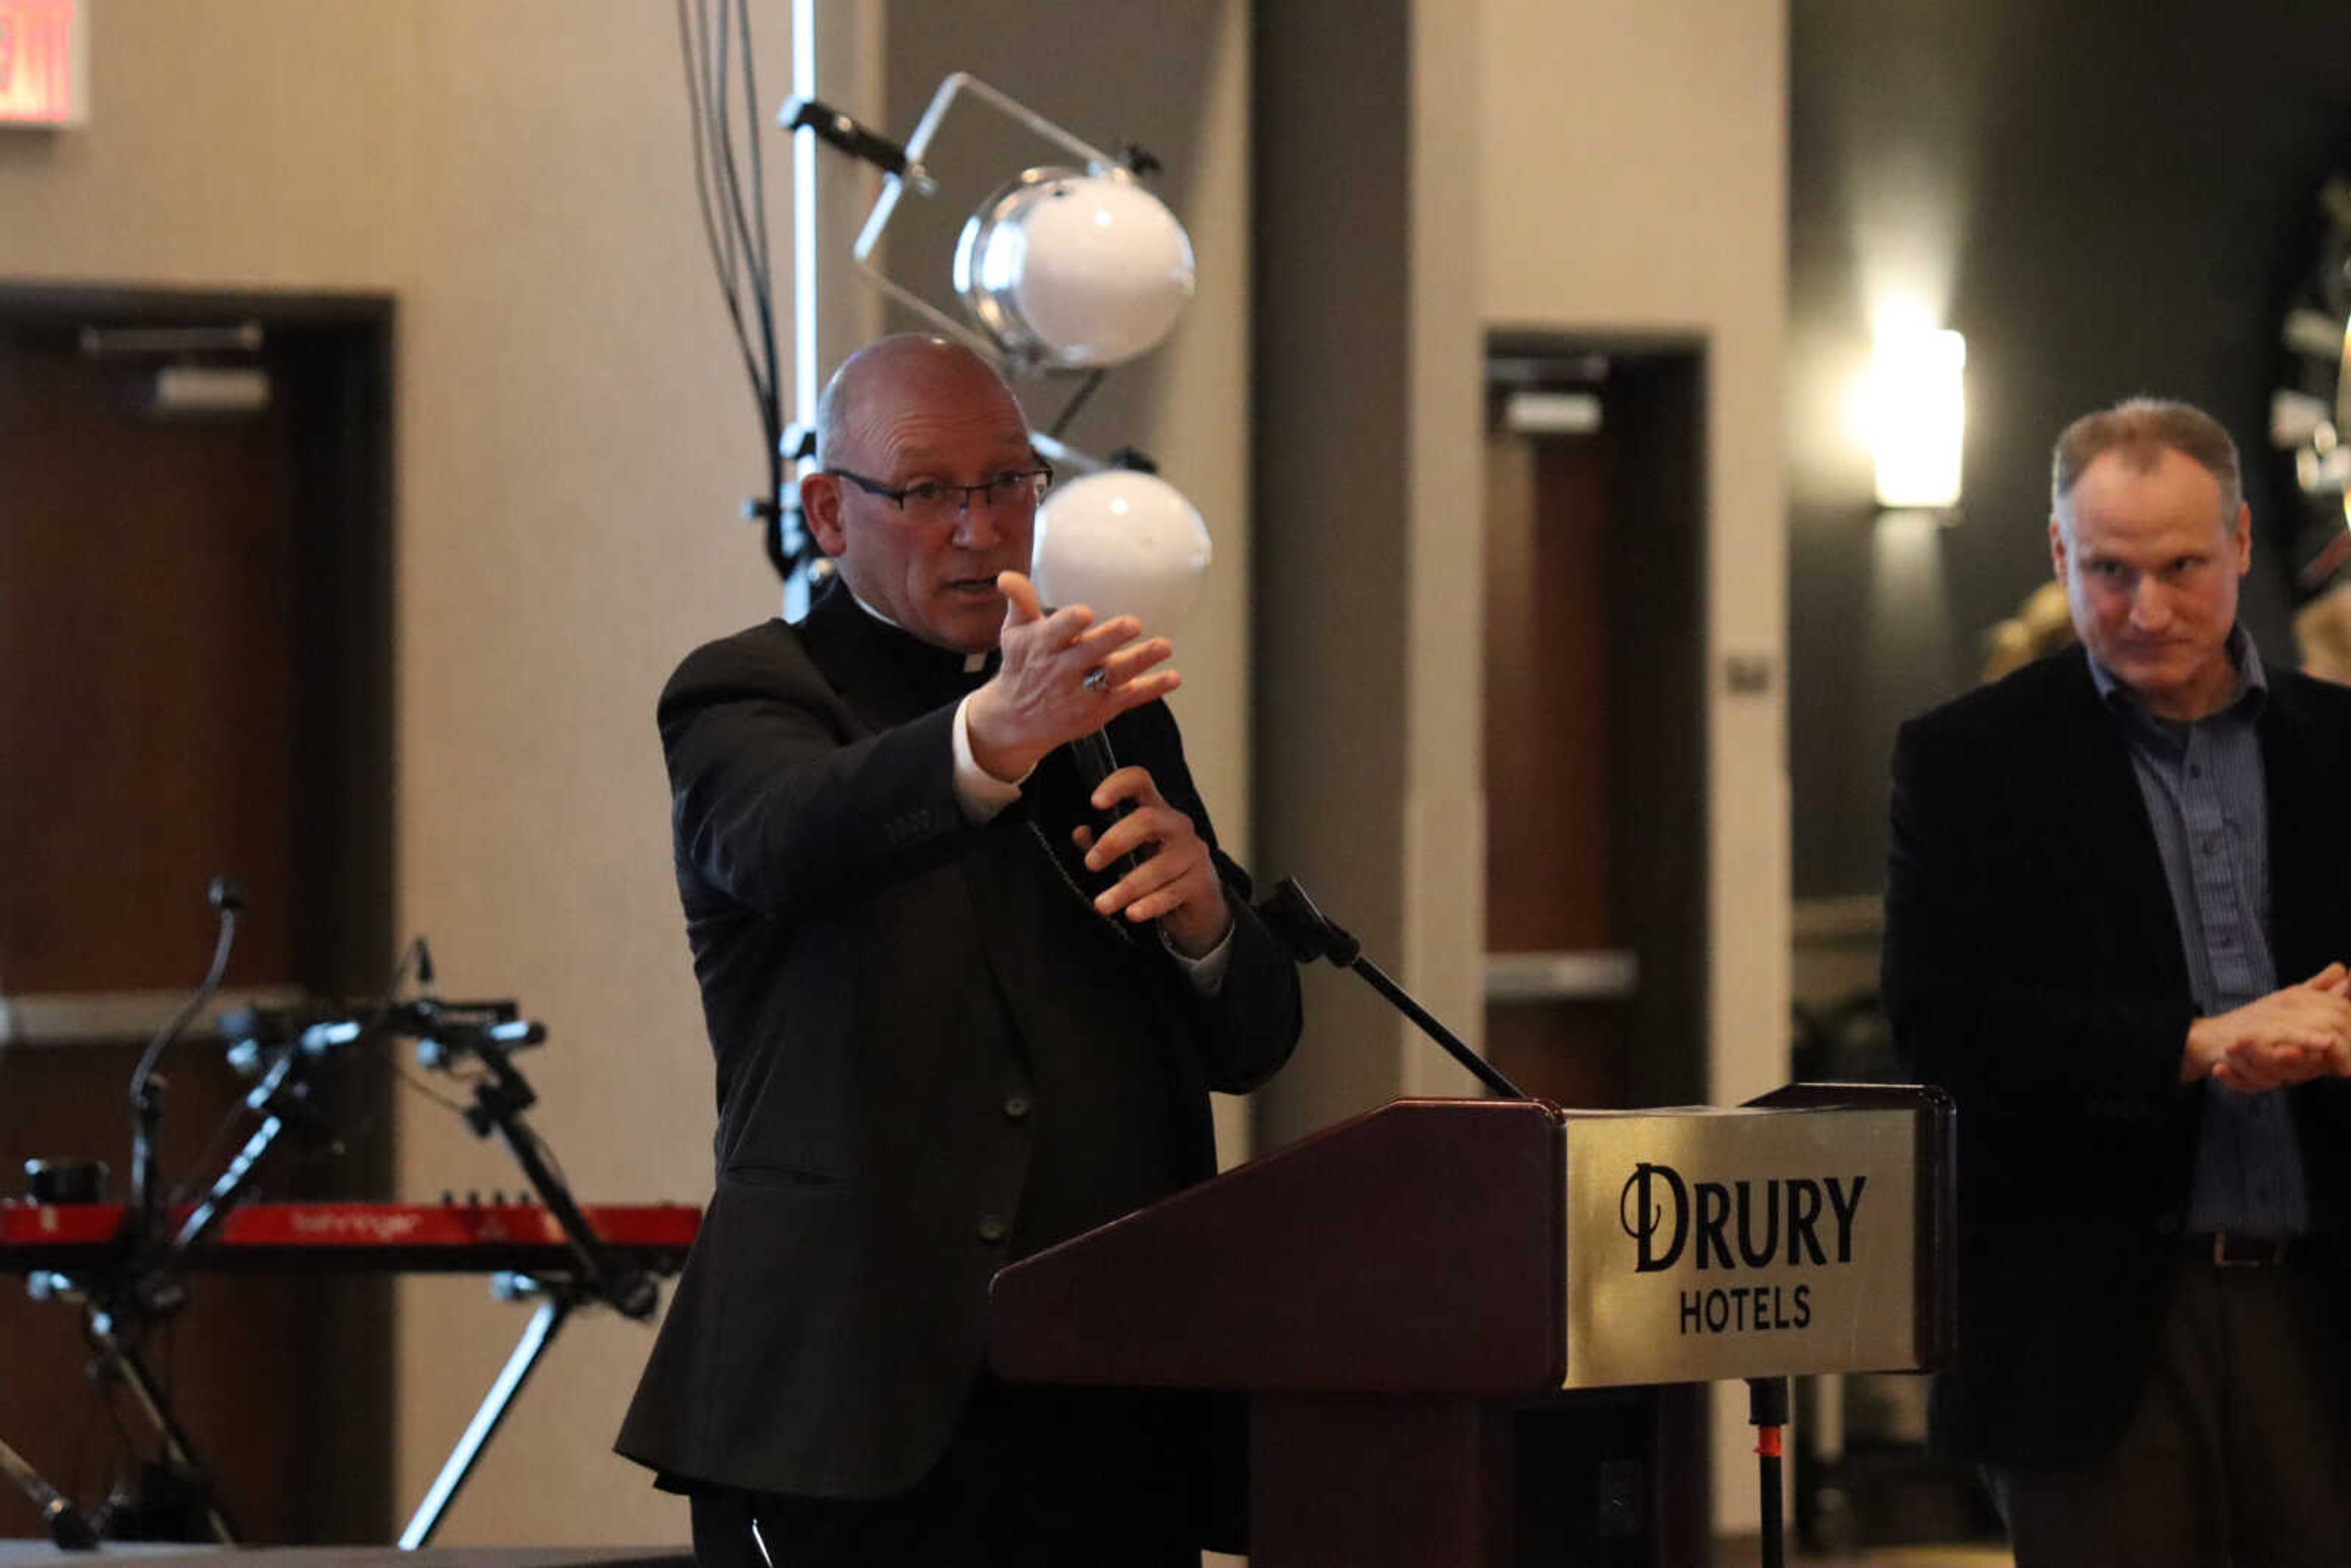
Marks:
<point>881,983</point>
<point>2032,965</point>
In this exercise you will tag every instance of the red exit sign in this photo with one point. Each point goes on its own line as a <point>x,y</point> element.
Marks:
<point>44,62</point>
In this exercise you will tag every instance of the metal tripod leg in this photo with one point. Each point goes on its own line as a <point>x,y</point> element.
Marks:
<point>65,1523</point>
<point>123,1362</point>
<point>549,1318</point>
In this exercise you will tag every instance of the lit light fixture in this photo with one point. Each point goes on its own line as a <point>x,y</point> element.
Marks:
<point>1068,269</point>
<point>1074,271</point>
<point>1121,542</point>
<point>1917,410</point>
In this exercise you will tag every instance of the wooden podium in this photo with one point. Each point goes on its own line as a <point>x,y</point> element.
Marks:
<point>1452,1340</point>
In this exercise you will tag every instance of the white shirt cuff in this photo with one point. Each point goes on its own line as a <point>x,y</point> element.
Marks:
<point>980,793</point>
<point>1206,972</point>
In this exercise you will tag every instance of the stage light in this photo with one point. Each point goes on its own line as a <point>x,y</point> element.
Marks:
<point>1067,269</point>
<point>1074,271</point>
<point>1070,264</point>
<point>1121,542</point>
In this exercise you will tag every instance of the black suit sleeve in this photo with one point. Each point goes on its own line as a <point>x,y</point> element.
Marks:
<point>2011,976</point>
<point>780,801</point>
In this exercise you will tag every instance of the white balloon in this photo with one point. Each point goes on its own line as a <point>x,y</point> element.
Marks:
<point>1120,542</point>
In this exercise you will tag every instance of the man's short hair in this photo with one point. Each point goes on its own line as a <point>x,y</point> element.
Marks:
<point>831,412</point>
<point>2141,430</point>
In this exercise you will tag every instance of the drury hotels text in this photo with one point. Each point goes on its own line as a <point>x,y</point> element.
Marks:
<point>1716,1243</point>
<point>1727,1225</point>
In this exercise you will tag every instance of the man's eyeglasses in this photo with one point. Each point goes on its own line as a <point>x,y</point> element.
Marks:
<point>931,501</point>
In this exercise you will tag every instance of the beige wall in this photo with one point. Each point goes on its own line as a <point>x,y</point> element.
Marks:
<point>1635,177</point>
<point>574,437</point>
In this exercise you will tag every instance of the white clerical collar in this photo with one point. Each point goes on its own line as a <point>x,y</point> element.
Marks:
<point>972,662</point>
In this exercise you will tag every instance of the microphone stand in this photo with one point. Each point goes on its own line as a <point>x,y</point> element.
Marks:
<point>1309,933</point>
<point>226,895</point>
<point>488,1032</point>
<point>281,1097</point>
<point>120,1305</point>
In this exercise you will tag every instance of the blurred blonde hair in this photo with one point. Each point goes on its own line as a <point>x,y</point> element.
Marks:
<point>2321,629</point>
<point>2041,624</point>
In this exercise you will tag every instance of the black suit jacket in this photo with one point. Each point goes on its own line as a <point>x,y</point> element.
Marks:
<point>883,983</point>
<point>2032,965</point>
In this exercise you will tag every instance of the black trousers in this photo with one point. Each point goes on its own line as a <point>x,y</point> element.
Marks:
<point>1046,1476</point>
<point>2238,1452</point>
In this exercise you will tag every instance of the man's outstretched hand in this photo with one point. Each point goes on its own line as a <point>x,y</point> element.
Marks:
<point>1041,697</point>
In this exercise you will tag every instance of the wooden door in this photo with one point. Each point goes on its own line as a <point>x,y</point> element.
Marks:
<point>194,679</point>
<point>1594,724</point>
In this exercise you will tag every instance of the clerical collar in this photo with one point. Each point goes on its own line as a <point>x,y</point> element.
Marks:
<point>972,662</point>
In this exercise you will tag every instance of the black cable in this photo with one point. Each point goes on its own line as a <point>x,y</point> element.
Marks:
<point>752,128</point>
<point>764,280</point>
<point>223,1131</point>
<point>693,43</point>
<point>418,1084</point>
<point>736,230</point>
<point>689,54</point>
<point>753,255</point>
<point>205,990</point>
<point>1077,401</point>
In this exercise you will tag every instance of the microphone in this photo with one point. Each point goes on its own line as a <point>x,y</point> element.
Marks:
<point>1097,762</point>
<point>1126,542</point>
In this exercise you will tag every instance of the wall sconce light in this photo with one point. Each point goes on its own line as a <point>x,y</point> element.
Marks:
<point>1917,407</point>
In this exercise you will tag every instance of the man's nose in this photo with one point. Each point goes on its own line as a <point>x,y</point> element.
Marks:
<point>2150,604</point>
<point>976,523</point>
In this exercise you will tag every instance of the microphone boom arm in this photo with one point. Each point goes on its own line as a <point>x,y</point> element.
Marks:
<point>1309,933</point>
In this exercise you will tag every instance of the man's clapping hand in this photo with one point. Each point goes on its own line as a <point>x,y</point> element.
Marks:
<point>2289,1037</point>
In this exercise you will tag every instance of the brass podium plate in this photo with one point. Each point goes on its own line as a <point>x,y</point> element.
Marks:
<point>1708,1244</point>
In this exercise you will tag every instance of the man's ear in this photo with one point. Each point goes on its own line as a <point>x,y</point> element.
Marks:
<point>820,509</point>
<point>2244,541</point>
<point>2056,548</point>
